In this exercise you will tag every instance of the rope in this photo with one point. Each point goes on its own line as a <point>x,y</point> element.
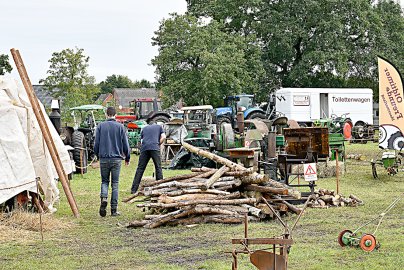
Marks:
<point>17,185</point>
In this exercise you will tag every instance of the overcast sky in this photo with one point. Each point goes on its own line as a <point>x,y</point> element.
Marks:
<point>115,34</point>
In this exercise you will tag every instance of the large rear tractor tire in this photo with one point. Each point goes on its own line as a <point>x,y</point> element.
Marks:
<point>256,115</point>
<point>80,152</point>
<point>159,119</point>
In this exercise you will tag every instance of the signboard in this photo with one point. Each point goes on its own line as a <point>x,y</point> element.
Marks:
<point>391,107</point>
<point>301,100</point>
<point>310,172</point>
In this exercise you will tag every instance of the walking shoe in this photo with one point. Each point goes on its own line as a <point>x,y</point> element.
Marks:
<point>115,213</point>
<point>103,207</point>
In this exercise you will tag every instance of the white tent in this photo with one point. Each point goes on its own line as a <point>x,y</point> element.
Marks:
<point>23,152</point>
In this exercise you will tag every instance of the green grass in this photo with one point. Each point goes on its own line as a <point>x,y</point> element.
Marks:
<point>105,243</point>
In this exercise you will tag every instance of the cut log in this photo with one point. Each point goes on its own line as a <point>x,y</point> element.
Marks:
<point>187,197</point>
<point>293,208</point>
<point>202,169</point>
<point>225,219</point>
<point>353,197</point>
<point>206,174</point>
<point>265,189</point>
<point>254,211</point>
<point>210,202</point>
<point>224,161</point>
<point>137,224</point>
<point>173,178</point>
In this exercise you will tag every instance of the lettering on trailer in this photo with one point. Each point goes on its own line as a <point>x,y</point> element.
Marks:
<point>310,172</point>
<point>301,100</point>
<point>346,99</point>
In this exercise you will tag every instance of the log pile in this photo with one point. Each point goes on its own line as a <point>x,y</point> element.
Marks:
<point>325,198</point>
<point>223,195</point>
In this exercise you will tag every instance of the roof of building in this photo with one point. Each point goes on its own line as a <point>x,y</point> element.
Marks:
<point>124,96</point>
<point>43,95</point>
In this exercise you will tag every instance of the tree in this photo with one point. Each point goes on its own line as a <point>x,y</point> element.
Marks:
<point>313,43</point>
<point>115,81</point>
<point>68,78</point>
<point>201,63</point>
<point>4,64</point>
<point>142,84</point>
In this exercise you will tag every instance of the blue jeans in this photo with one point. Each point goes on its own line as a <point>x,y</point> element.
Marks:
<point>110,167</point>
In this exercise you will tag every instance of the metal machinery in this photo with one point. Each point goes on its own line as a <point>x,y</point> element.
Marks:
<point>360,132</point>
<point>233,104</point>
<point>366,241</point>
<point>391,161</point>
<point>274,257</point>
<point>82,135</point>
<point>149,109</point>
<point>303,145</point>
<point>198,122</point>
<point>199,131</point>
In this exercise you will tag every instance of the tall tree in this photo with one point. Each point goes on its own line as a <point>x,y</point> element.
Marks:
<point>115,81</point>
<point>201,63</point>
<point>68,78</point>
<point>314,43</point>
<point>4,64</point>
<point>143,83</point>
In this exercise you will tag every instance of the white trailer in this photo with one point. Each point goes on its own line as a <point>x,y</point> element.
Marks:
<point>307,104</point>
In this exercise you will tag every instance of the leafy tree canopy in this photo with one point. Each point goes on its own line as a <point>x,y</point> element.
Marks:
<point>4,64</point>
<point>68,78</point>
<point>121,81</point>
<point>315,43</point>
<point>201,63</point>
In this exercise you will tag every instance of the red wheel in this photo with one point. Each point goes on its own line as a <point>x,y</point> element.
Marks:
<point>367,242</point>
<point>347,130</point>
<point>342,237</point>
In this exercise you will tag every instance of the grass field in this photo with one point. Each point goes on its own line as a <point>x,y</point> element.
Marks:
<point>92,242</point>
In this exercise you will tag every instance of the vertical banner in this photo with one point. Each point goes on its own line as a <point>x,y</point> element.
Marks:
<point>391,107</point>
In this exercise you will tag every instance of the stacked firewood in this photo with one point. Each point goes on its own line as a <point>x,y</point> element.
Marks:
<point>325,198</point>
<point>223,195</point>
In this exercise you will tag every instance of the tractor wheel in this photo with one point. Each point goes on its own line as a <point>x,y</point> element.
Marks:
<point>222,120</point>
<point>367,242</point>
<point>347,130</point>
<point>159,119</point>
<point>79,152</point>
<point>256,115</point>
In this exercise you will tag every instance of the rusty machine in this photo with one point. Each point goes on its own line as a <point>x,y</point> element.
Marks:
<point>274,257</point>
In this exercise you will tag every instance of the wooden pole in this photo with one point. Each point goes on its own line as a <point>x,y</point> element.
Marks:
<point>44,129</point>
<point>337,169</point>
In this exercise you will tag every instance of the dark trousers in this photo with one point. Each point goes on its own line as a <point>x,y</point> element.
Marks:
<point>144,158</point>
<point>110,167</point>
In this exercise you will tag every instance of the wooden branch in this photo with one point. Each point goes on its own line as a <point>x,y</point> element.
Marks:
<point>293,208</point>
<point>265,189</point>
<point>210,202</point>
<point>173,178</point>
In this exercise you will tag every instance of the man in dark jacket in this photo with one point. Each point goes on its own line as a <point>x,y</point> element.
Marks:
<point>152,137</point>
<point>111,146</point>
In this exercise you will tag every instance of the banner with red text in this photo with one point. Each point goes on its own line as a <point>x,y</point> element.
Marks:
<point>391,107</point>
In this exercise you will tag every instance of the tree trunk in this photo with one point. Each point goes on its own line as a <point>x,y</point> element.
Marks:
<point>265,189</point>
<point>293,208</point>
<point>210,202</point>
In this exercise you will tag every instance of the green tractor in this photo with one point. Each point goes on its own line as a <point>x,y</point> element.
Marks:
<point>81,135</point>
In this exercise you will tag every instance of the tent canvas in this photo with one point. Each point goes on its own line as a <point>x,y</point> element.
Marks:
<point>24,155</point>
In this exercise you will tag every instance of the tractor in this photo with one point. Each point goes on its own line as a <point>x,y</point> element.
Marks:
<point>81,136</point>
<point>149,109</point>
<point>234,104</point>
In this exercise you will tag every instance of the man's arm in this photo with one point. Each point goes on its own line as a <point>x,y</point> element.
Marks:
<point>97,141</point>
<point>162,135</point>
<point>125,143</point>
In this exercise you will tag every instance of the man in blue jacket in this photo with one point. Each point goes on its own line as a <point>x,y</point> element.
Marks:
<point>152,136</point>
<point>111,146</point>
